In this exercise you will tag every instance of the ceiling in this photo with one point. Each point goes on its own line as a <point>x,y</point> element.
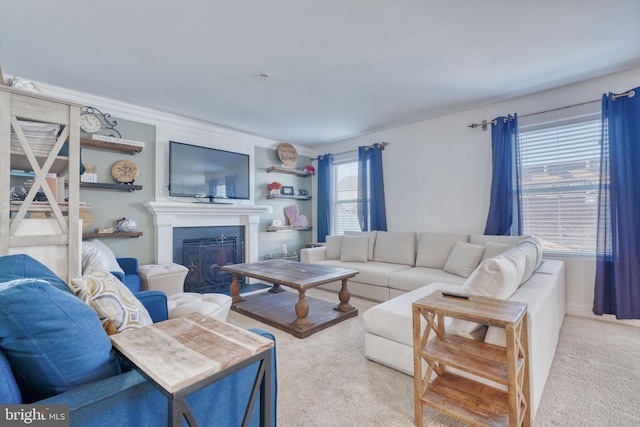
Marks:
<point>313,72</point>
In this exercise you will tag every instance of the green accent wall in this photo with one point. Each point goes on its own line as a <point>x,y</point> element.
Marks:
<point>109,205</point>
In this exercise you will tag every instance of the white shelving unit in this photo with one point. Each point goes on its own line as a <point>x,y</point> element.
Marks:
<point>26,153</point>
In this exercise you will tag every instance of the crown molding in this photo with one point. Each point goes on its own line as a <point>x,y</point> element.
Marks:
<point>162,119</point>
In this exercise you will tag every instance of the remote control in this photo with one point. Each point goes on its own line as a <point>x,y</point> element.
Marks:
<point>455,294</point>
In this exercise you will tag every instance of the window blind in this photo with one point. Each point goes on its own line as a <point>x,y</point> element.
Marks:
<point>560,168</point>
<point>345,212</point>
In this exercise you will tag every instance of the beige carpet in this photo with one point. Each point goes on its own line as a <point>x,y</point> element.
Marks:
<point>325,380</point>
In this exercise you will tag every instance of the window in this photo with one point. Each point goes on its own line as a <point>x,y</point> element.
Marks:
<point>345,194</point>
<point>560,168</point>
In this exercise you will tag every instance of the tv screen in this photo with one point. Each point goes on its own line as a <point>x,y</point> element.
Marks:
<point>204,172</point>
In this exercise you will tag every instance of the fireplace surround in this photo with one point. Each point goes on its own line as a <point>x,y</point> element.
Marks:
<point>170,215</point>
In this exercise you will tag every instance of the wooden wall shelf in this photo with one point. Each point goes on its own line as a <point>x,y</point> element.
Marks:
<point>132,234</point>
<point>287,228</point>
<point>108,186</point>
<point>284,196</point>
<point>281,169</point>
<point>109,146</point>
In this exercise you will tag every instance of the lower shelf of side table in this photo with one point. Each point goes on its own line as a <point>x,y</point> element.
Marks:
<point>468,401</point>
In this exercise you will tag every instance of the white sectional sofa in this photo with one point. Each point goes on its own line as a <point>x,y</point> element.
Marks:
<point>398,268</point>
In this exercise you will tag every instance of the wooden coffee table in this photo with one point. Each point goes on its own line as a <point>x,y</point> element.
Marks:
<point>298,315</point>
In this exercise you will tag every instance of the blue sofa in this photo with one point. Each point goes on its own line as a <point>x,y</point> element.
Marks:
<point>58,354</point>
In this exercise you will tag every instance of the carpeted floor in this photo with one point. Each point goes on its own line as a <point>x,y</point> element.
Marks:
<point>325,380</point>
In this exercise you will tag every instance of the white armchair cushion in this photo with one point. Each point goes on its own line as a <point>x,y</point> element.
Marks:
<point>355,249</point>
<point>463,259</point>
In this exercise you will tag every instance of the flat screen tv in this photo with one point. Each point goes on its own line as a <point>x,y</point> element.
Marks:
<point>207,173</point>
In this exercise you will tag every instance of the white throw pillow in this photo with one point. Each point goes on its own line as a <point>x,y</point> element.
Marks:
<point>354,249</point>
<point>372,239</point>
<point>333,247</point>
<point>497,277</point>
<point>98,255</point>
<point>463,259</point>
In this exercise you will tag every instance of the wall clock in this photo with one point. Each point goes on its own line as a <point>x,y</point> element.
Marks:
<point>90,123</point>
<point>124,172</point>
<point>93,121</point>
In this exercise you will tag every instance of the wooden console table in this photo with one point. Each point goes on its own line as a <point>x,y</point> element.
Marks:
<point>182,355</point>
<point>462,398</point>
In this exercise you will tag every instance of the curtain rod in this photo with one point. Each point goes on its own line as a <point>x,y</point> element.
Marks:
<point>381,144</point>
<point>484,123</point>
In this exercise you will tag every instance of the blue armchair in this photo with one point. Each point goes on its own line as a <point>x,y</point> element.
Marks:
<point>130,276</point>
<point>123,399</point>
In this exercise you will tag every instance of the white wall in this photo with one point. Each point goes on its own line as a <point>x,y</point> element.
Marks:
<point>438,172</point>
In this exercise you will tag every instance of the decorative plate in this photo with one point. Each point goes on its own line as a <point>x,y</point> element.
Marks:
<point>287,154</point>
<point>124,171</point>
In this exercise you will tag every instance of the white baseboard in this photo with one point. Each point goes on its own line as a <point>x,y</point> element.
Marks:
<point>581,310</point>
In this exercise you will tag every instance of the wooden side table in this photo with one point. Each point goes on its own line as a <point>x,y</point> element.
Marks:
<point>462,398</point>
<point>182,355</point>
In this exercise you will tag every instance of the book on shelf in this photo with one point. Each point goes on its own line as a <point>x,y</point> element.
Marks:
<point>115,140</point>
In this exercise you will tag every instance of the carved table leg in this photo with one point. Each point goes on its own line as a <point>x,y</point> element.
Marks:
<point>276,288</point>
<point>302,311</point>
<point>234,289</point>
<point>344,296</point>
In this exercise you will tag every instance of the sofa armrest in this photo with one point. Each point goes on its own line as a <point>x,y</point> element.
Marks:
<point>156,304</point>
<point>312,255</point>
<point>129,400</point>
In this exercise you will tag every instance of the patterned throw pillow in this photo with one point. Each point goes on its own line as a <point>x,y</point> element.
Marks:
<point>115,304</point>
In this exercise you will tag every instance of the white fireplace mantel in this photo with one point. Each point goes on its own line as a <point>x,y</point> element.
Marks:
<point>167,215</point>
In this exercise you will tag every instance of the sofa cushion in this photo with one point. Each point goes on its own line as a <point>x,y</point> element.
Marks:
<point>492,249</point>
<point>413,278</point>
<point>393,319</point>
<point>52,339</point>
<point>97,254</point>
<point>463,259</point>
<point>532,249</point>
<point>395,247</point>
<point>354,249</point>
<point>371,272</point>
<point>115,304</point>
<point>434,248</point>
<point>481,239</point>
<point>333,247</point>
<point>496,277</point>
<point>371,235</point>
